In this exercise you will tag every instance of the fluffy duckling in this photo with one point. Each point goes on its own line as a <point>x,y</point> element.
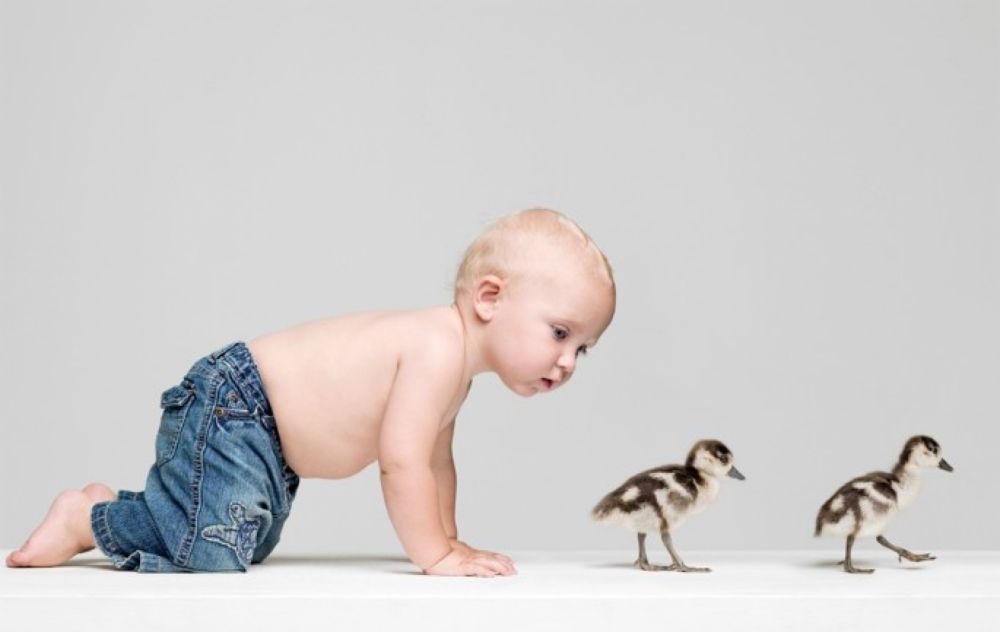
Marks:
<point>660,499</point>
<point>864,506</point>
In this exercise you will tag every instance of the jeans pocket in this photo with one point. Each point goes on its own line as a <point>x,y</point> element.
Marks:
<point>230,403</point>
<point>176,404</point>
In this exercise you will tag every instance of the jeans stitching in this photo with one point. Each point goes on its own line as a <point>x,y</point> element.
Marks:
<point>198,465</point>
<point>104,536</point>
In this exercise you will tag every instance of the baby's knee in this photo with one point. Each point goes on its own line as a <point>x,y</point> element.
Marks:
<point>231,542</point>
<point>71,499</point>
<point>99,492</point>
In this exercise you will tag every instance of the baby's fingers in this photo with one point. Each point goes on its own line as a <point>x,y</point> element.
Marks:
<point>506,561</point>
<point>478,569</point>
<point>485,566</point>
<point>495,563</point>
<point>508,564</point>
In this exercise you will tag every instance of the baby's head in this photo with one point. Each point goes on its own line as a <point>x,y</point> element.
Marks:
<point>536,292</point>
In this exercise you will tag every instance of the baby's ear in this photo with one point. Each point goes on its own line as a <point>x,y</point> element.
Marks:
<point>486,296</point>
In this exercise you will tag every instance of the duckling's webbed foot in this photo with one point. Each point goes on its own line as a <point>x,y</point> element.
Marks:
<point>679,564</point>
<point>646,566</point>
<point>642,562</point>
<point>901,552</point>
<point>684,568</point>
<point>849,566</point>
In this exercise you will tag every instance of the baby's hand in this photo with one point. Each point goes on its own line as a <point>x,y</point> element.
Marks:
<point>459,545</point>
<point>467,561</point>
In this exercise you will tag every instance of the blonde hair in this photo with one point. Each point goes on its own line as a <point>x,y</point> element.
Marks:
<point>497,249</point>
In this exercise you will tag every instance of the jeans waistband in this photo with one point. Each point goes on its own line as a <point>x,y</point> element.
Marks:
<point>236,361</point>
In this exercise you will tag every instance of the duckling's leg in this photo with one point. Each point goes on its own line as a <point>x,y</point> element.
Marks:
<point>679,564</point>
<point>850,567</point>
<point>901,552</point>
<point>643,561</point>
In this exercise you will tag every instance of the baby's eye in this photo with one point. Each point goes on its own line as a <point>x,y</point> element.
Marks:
<point>559,333</point>
<point>581,350</point>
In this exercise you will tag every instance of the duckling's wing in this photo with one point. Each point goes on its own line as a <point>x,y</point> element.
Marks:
<point>883,486</point>
<point>855,502</point>
<point>638,502</point>
<point>879,494</point>
<point>682,485</point>
<point>626,496</point>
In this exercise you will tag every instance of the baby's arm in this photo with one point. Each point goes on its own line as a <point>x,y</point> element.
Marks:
<point>443,465</point>
<point>424,386</point>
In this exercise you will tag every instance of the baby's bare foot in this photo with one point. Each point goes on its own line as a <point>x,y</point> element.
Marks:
<point>64,532</point>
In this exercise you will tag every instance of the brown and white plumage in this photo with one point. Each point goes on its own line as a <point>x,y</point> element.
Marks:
<point>660,499</point>
<point>865,505</point>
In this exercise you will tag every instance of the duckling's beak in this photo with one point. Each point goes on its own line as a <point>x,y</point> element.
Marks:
<point>735,473</point>
<point>944,465</point>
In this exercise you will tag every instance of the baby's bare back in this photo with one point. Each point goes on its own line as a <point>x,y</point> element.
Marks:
<point>328,382</point>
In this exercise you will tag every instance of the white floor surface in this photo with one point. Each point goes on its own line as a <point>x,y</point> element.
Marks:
<point>574,591</point>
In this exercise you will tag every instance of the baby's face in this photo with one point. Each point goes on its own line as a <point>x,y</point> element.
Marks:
<point>542,327</point>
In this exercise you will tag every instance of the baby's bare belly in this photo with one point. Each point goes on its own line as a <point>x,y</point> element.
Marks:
<point>328,390</point>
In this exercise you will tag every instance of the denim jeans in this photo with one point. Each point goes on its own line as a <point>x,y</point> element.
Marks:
<point>219,491</point>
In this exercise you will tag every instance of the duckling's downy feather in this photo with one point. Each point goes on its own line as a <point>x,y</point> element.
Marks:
<point>657,500</point>
<point>862,506</point>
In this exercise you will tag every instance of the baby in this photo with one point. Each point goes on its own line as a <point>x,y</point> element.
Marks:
<point>327,398</point>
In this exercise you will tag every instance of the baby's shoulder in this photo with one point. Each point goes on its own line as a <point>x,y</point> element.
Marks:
<point>428,338</point>
<point>430,369</point>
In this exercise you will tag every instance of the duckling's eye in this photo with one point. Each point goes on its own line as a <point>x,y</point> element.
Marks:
<point>559,333</point>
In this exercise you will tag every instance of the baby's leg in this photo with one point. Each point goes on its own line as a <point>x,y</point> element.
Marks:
<point>65,531</point>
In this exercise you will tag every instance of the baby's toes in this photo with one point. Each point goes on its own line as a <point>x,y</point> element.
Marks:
<point>10,560</point>
<point>17,559</point>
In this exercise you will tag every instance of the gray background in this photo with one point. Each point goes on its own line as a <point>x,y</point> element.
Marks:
<point>799,199</point>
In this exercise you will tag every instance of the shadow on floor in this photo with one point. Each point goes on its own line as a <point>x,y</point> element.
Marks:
<point>383,563</point>
<point>859,562</point>
<point>624,565</point>
<point>281,560</point>
<point>98,564</point>
<point>285,559</point>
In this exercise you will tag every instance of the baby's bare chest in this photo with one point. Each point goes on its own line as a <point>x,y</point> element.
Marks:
<point>328,384</point>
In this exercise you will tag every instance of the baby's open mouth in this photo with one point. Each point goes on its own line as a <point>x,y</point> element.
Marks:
<point>547,382</point>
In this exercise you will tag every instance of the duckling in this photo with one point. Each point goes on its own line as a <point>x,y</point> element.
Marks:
<point>660,499</point>
<point>864,506</point>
